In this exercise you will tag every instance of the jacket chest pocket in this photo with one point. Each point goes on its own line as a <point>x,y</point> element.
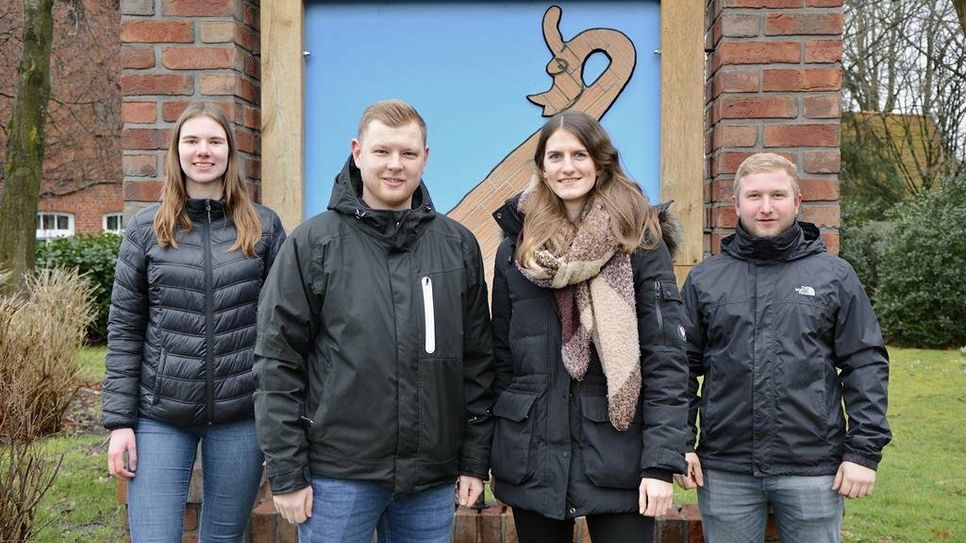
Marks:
<point>511,459</point>
<point>429,315</point>
<point>440,312</point>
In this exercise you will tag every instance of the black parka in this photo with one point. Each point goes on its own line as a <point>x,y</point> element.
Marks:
<point>181,330</point>
<point>782,332</point>
<point>374,356</point>
<point>555,451</point>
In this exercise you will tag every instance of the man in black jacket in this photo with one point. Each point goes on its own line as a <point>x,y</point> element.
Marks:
<point>782,332</point>
<point>373,362</point>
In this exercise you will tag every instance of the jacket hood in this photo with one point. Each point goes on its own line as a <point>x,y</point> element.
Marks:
<point>510,219</point>
<point>801,240</point>
<point>395,229</point>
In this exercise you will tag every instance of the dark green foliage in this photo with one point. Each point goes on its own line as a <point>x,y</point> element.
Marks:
<point>863,244</point>
<point>93,255</point>
<point>921,297</point>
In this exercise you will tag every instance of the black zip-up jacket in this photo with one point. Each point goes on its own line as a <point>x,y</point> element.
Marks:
<point>782,332</point>
<point>374,357</point>
<point>555,451</point>
<point>181,330</point>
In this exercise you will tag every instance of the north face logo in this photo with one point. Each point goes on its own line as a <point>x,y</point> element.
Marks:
<point>805,291</point>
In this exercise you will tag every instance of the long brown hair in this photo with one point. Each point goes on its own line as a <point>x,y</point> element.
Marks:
<point>633,221</point>
<point>174,194</point>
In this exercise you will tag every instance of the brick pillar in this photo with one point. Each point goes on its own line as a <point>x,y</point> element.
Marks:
<point>173,53</point>
<point>774,79</point>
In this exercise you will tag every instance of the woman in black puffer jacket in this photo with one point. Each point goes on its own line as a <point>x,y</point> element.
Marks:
<point>181,336</point>
<point>591,415</point>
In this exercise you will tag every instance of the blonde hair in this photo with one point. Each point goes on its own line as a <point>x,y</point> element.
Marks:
<point>393,113</point>
<point>766,163</point>
<point>174,194</point>
<point>634,223</point>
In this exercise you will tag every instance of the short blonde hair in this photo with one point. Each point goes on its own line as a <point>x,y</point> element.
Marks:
<point>393,113</point>
<point>765,163</point>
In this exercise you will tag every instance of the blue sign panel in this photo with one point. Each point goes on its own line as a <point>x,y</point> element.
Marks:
<point>483,75</point>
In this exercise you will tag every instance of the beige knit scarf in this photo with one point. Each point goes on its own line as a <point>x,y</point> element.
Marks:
<point>594,288</point>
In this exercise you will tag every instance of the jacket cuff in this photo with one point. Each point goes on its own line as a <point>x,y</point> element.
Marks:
<point>863,461</point>
<point>290,482</point>
<point>475,467</point>
<point>659,474</point>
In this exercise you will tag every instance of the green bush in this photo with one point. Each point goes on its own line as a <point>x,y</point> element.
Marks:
<point>93,255</point>
<point>863,245</point>
<point>921,298</point>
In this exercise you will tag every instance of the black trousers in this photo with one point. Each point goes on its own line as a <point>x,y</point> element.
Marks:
<point>604,528</point>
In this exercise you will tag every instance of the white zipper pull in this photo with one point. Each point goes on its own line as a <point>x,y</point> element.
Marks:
<point>429,314</point>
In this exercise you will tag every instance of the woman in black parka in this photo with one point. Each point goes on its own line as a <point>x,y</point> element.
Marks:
<point>591,415</point>
<point>181,338</point>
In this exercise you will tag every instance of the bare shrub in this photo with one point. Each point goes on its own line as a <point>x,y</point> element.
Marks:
<point>40,334</point>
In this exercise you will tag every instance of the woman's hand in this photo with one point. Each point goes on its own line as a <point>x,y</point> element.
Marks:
<point>122,445</point>
<point>655,497</point>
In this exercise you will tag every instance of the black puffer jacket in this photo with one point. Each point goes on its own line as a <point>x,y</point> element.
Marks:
<point>782,331</point>
<point>181,331</point>
<point>555,451</point>
<point>374,357</point>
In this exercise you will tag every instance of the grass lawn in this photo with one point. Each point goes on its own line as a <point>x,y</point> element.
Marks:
<point>919,497</point>
<point>920,490</point>
<point>82,505</point>
<point>92,365</point>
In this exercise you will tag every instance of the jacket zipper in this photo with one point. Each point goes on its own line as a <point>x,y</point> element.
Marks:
<point>157,377</point>
<point>429,314</point>
<point>209,318</point>
<point>659,296</point>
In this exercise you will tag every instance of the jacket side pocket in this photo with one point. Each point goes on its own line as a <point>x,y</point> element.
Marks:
<point>157,376</point>
<point>512,438</point>
<point>611,458</point>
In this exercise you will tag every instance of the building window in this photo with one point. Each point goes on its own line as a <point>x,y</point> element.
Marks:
<point>114,222</point>
<point>54,225</point>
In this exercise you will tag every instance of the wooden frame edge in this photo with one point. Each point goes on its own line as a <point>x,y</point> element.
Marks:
<point>282,86</point>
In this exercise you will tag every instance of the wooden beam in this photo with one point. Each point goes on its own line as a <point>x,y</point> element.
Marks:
<point>682,124</point>
<point>282,109</point>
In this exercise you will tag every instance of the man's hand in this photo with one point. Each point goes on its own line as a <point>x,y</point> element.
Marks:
<point>853,480</point>
<point>655,497</point>
<point>468,489</point>
<point>296,506</point>
<point>122,444</point>
<point>694,476</point>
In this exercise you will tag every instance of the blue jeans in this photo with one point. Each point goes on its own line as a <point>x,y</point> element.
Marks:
<point>349,511</point>
<point>231,468</point>
<point>734,507</point>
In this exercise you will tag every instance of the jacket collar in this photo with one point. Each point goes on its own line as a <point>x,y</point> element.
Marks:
<point>198,209</point>
<point>800,240</point>
<point>396,230</point>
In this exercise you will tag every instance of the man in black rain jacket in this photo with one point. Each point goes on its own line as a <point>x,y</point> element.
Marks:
<point>783,333</point>
<point>373,362</point>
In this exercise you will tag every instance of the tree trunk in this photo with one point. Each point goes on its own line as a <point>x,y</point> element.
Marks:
<point>961,13</point>
<point>23,171</point>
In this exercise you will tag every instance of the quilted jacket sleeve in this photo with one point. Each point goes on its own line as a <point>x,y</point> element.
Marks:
<point>126,325</point>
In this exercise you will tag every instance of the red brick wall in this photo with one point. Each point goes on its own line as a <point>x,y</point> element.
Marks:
<point>88,206</point>
<point>176,52</point>
<point>774,81</point>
